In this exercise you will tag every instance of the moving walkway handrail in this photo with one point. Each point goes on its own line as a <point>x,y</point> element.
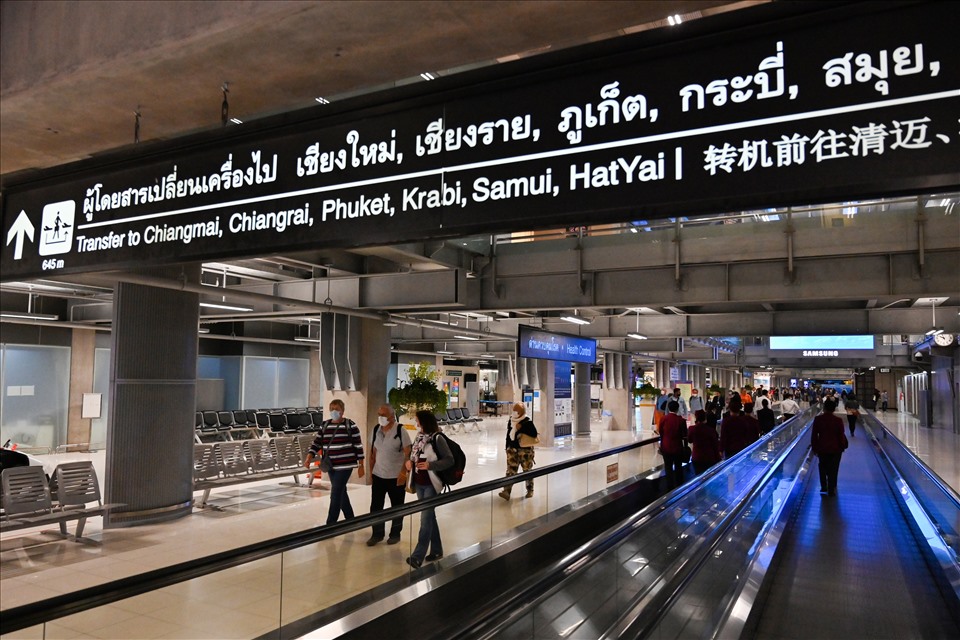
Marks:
<point>504,610</point>
<point>41,611</point>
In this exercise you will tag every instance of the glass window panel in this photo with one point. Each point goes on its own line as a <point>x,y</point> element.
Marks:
<point>101,385</point>
<point>35,396</point>
<point>293,382</point>
<point>259,383</point>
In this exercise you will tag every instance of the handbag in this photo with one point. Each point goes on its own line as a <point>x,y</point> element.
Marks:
<point>528,441</point>
<point>325,464</point>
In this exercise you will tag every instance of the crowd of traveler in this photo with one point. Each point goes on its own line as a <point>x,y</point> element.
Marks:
<point>722,427</point>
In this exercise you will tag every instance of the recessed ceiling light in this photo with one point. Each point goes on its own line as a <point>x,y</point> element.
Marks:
<point>322,100</point>
<point>236,120</point>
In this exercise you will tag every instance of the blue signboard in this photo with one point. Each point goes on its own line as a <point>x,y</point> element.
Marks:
<point>547,345</point>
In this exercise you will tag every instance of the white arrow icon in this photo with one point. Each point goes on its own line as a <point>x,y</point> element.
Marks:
<point>21,227</point>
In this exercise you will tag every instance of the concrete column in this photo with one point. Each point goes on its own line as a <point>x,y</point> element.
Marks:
<point>153,381</point>
<point>544,418</point>
<point>82,349</point>
<point>315,392</point>
<point>581,399</point>
<point>361,405</point>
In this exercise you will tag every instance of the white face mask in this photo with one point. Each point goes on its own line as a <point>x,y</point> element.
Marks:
<point>335,415</point>
<point>514,416</point>
<point>383,421</point>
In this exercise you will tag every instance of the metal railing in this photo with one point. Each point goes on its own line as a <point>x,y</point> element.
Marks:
<point>59,607</point>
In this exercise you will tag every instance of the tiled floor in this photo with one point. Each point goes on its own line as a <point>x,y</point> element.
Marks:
<point>252,599</point>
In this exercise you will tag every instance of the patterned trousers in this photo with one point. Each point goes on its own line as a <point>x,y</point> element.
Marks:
<point>520,457</point>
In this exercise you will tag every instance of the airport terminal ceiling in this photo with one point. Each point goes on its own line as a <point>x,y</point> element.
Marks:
<point>695,288</point>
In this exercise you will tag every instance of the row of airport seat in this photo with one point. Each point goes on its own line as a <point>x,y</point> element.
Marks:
<point>455,418</point>
<point>222,464</point>
<point>29,500</point>
<point>224,425</point>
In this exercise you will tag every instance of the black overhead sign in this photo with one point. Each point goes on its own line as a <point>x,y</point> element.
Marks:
<point>828,106</point>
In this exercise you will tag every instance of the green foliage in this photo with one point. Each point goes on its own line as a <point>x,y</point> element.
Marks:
<point>715,389</point>
<point>419,393</point>
<point>647,390</point>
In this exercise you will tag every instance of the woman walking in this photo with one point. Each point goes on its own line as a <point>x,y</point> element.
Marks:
<point>429,455</point>
<point>520,449</point>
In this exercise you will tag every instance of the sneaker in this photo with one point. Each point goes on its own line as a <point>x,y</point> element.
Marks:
<point>529,494</point>
<point>393,539</point>
<point>433,557</point>
<point>373,541</point>
<point>413,562</point>
<point>503,494</point>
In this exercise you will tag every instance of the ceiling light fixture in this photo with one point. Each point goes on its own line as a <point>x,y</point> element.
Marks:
<point>428,76</point>
<point>636,336</point>
<point>390,322</point>
<point>467,337</point>
<point>236,120</point>
<point>306,339</point>
<point>227,307</point>
<point>29,316</point>
<point>444,352</point>
<point>487,355</point>
<point>322,100</point>
<point>575,318</point>
<point>203,330</point>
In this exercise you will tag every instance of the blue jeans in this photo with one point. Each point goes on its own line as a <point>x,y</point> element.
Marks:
<point>429,531</point>
<point>339,500</point>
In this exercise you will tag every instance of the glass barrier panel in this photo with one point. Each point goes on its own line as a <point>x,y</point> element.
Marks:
<point>508,514</point>
<point>240,602</point>
<point>35,632</point>
<point>567,486</point>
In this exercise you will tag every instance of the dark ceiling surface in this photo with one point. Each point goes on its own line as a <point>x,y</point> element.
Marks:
<point>73,75</point>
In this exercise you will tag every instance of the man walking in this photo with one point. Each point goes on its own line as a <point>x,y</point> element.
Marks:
<point>389,448</point>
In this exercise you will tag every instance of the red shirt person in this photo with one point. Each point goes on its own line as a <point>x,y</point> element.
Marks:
<point>673,432</point>
<point>737,431</point>
<point>828,443</point>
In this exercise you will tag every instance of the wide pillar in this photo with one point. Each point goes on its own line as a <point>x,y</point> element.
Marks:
<point>617,398</point>
<point>153,383</point>
<point>581,399</point>
<point>361,405</point>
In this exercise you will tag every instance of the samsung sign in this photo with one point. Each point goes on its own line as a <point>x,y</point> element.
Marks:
<point>764,107</point>
<point>547,345</point>
<point>847,346</point>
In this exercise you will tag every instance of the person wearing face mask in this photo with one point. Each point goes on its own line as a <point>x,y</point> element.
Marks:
<point>517,454</point>
<point>389,448</point>
<point>339,439</point>
<point>429,455</point>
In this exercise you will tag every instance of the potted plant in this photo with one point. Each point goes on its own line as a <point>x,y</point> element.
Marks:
<point>419,392</point>
<point>648,394</point>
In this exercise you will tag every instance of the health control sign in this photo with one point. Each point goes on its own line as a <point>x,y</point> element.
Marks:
<point>840,105</point>
<point>547,345</point>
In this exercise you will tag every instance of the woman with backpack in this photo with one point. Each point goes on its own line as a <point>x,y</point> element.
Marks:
<point>521,438</point>
<point>430,455</point>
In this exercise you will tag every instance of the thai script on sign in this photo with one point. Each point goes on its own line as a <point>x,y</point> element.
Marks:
<point>767,83</point>
<point>839,71</point>
<point>610,110</point>
<point>355,154</point>
<point>860,141</point>
<point>540,345</point>
<point>439,138</point>
<point>169,187</point>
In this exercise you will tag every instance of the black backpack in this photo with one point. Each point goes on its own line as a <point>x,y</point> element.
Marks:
<point>454,474</point>
<point>396,435</point>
